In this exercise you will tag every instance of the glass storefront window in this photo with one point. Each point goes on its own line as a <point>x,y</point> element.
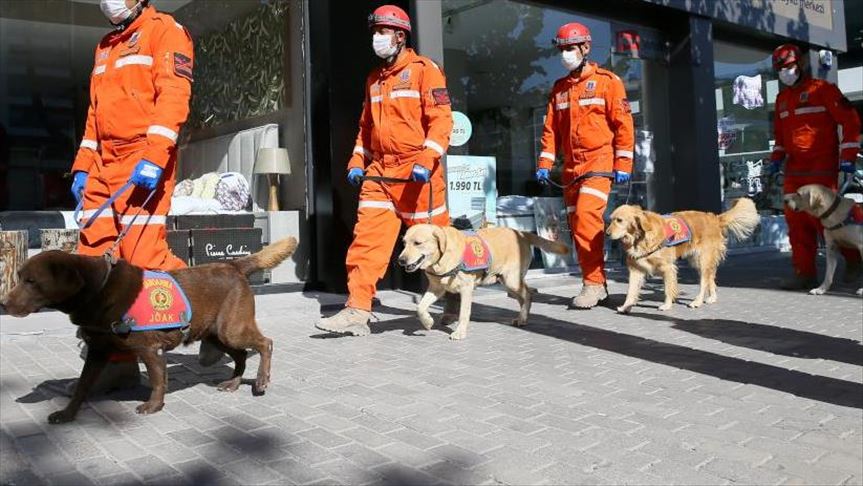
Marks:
<point>746,89</point>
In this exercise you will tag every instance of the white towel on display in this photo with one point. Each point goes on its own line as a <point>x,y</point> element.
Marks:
<point>747,92</point>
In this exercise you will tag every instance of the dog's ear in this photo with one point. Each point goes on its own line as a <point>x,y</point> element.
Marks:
<point>815,199</point>
<point>636,226</point>
<point>451,244</point>
<point>440,237</point>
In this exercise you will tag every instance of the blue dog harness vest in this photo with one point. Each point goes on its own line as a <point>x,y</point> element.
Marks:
<point>160,305</point>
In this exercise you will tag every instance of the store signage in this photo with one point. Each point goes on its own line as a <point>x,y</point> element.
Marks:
<point>816,12</point>
<point>471,190</point>
<point>461,129</point>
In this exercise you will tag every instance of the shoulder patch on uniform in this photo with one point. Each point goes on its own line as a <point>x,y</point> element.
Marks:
<point>183,65</point>
<point>440,96</point>
<point>624,103</point>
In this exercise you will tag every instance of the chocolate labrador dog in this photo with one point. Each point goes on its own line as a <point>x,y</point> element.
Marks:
<point>96,295</point>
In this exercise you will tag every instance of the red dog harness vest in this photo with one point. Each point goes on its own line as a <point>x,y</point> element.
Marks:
<point>161,304</point>
<point>676,230</point>
<point>476,256</point>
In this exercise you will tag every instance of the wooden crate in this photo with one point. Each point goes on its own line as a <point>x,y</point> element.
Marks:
<point>13,253</point>
<point>60,239</point>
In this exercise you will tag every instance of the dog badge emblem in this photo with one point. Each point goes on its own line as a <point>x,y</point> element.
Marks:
<point>160,299</point>
<point>676,230</point>
<point>476,255</point>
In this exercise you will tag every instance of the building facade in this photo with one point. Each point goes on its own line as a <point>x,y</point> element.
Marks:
<point>697,75</point>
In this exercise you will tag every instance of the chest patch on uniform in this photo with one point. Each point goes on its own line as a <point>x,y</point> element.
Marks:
<point>676,230</point>
<point>804,97</point>
<point>855,215</point>
<point>161,304</point>
<point>476,255</point>
<point>183,65</point>
<point>440,96</point>
<point>133,39</point>
<point>591,85</point>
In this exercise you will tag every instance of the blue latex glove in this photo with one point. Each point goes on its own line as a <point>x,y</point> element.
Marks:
<point>146,175</point>
<point>847,166</point>
<point>79,180</point>
<point>355,176</point>
<point>420,174</point>
<point>542,176</point>
<point>621,177</point>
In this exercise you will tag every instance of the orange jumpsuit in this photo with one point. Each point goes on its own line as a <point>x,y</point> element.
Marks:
<point>805,126</point>
<point>406,120</point>
<point>588,119</point>
<point>139,98</point>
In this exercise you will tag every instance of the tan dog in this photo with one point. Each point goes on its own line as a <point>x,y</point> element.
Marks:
<point>821,202</point>
<point>438,251</point>
<point>643,237</point>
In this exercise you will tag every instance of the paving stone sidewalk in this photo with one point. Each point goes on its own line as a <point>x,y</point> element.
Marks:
<point>765,387</point>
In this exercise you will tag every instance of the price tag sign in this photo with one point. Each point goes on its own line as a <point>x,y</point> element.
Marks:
<point>471,190</point>
<point>461,129</point>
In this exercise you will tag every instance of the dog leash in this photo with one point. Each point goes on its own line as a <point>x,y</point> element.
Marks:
<point>394,180</point>
<point>109,253</point>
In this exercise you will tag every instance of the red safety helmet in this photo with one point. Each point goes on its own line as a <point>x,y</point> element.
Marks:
<point>786,55</point>
<point>571,33</point>
<point>390,16</point>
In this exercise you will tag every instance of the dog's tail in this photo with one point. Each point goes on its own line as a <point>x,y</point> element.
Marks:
<point>544,244</point>
<point>269,257</point>
<point>741,220</point>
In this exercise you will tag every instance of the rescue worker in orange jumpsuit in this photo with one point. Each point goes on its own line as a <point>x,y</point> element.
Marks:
<point>404,131</point>
<point>139,98</point>
<point>807,114</point>
<point>588,120</point>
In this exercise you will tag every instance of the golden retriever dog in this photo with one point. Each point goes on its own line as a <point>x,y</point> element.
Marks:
<point>833,211</point>
<point>648,251</point>
<point>438,251</point>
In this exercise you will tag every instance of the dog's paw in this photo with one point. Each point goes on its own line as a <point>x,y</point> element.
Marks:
<point>147,408</point>
<point>519,322</point>
<point>426,320</point>
<point>61,417</point>
<point>695,304</point>
<point>229,385</point>
<point>666,306</point>
<point>624,309</point>
<point>261,384</point>
<point>458,334</point>
<point>711,300</point>
<point>817,291</point>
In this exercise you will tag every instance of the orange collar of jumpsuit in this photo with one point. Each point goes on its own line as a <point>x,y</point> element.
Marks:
<point>409,57</point>
<point>145,15</point>
<point>587,71</point>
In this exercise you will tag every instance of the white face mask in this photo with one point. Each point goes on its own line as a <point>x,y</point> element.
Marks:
<point>115,10</point>
<point>788,76</point>
<point>571,60</point>
<point>383,45</point>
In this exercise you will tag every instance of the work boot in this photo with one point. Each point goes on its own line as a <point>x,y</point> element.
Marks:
<point>348,321</point>
<point>798,282</point>
<point>590,296</point>
<point>853,271</point>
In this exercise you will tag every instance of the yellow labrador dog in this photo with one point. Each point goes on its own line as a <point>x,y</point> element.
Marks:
<point>652,246</point>
<point>439,251</point>
<point>837,215</point>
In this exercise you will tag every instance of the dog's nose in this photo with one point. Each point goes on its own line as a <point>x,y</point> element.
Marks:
<point>401,260</point>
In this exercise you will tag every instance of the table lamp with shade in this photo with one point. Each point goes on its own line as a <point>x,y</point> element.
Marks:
<point>272,162</point>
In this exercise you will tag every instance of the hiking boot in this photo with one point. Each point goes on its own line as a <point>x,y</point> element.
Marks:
<point>853,271</point>
<point>348,321</point>
<point>590,296</point>
<point>798,282</point>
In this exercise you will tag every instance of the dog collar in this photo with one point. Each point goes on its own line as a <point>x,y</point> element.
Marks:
<point>833,206</point>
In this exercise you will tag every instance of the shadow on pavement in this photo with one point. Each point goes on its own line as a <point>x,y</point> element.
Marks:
<point>772,339</point>
<point>821,388</point>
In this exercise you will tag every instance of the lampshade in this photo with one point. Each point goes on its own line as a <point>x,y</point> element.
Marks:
<point>272,161</point>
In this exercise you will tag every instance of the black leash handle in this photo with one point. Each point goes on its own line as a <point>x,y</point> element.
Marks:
<point>394,180</point>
